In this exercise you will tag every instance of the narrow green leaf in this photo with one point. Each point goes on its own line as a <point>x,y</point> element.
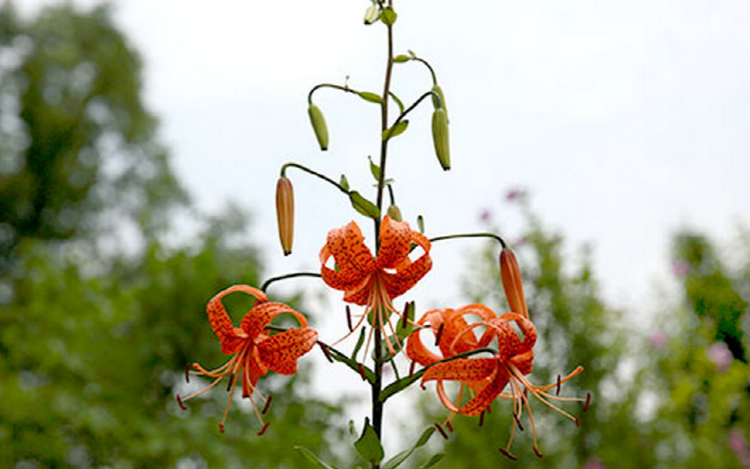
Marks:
<point>374,169</point>
<point>396,130</point>
<point>388,16</point>
<point>436,458</point>
<point>400,104</point>
<point>371,97</point>
<point>353,364</point>
<point>360,342</point>
<point>398,386</point>
<point>398,459</point>
<point>401,58</point>
<point>368,445</point>
<point>364,206</point>
<point>313,458</point>
<point>343,182</point>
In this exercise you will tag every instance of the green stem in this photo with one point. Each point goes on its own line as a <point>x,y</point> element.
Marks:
<point>328,85</point>
<point>470,235</point>
<point>271,280</point>
<point>314,173</point>
<point>377,386</point>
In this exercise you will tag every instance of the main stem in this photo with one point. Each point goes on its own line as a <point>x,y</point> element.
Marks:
<point>377,386</point>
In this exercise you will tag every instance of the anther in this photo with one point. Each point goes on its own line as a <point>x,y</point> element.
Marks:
<point>263,430</point>
<point>481,419</point>
<point>588,401</point>
<point>411,368</point>
<point>187,374</point>
<point>179,401</point>
<point>507,454</point>
<point>405,316</point>
<point>326,352</point>
<point>349,318</point>
<point>221,427</point>
<point>231,380</point>
<point>268,404</point>
<point>440,429</point>
<point>578,422</point>
<point>439,334</point>
<point>537,452</point>
<point>518,421</point>
<point>557,392</point>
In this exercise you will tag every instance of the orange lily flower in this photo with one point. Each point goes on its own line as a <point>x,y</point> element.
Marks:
<point>254,349</point>
<point>375,282</point>
<point>488,377</point>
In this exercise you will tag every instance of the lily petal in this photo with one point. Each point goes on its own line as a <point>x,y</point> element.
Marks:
<point>481,401</point>
<point>395,243</point>
<point>281,351</point>
<point>262,314</point>
<point>230,336</point>
<point>462,369</point>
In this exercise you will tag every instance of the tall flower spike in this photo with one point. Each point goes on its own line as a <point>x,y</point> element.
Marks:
<point>375,282</point>
<point>512,282</point>
<point>486,378</point>
<point>285,213</point>
<point>253,348</point>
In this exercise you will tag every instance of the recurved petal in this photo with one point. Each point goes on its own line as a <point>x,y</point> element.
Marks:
<point>404,279</point>
<point>347,246</point>
<point>262,314</point>
<point>221,323</point>
<point>281,351</point>
<point>349,281</point>
<point>462,369</point>
<point>395,243</point>
<point>484,398</point>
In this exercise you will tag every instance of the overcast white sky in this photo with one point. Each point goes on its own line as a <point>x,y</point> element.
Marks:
<point>625,120</point>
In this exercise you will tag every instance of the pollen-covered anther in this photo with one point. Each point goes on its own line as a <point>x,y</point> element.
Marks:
<point>537,452</point>
<point>180,403</point>
<point>221,427</point>
<point>507,454</point>
<point>588,401</point>
<point>449,425</point>
<point>263,430</point>
<point>187,373</point>
<point>439,334</point>
<point>268,404</point>
<point>518,421</point>
<point>349,318</point>
<point>557,390</point>
<point>326,352</point>
<point>411,368</point>
<point>441,430</point>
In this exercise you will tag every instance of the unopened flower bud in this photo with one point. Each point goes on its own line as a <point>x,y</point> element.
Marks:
<point>439,100</point>
<point>512,283</point>
<point>395,213</point>
<point>372,14</point>
<point>285,213</point>
<point>319,126</point>
<point>440,137</point>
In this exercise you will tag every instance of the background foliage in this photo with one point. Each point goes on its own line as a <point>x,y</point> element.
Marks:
<point>101,309</point>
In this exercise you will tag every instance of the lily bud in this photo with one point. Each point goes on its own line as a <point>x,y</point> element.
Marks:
<point>441,102</point>
<point>395,213</point>
<point>440,137</point>
<point>372,14</point>
<point>319,126</point>
<point>285,213</point>
<point>512,284</point>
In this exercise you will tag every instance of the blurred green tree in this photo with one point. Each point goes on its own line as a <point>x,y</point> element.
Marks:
<point>74,133</point>
<point>94,339</point>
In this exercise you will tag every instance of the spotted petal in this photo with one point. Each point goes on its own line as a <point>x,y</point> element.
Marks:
<point>353,259</point>
<point>484,398</point>
<point>462,369</point>
<point>281,351</point>
<point>230,336</point>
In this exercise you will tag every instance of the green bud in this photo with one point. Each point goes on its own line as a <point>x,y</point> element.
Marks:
<point>441,102</point>
<point>319,126</point>
<point>395,213</point>
<point>440,137</point>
